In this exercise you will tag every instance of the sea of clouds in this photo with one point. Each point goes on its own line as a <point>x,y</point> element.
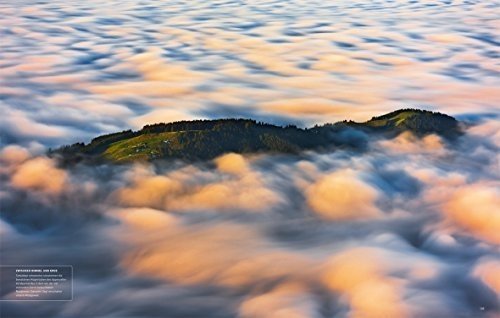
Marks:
<point>70,70</point>
<point>405,227</point>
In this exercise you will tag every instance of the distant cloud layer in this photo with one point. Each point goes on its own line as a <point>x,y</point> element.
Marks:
<point>69,71</point>
<point>402,227</point>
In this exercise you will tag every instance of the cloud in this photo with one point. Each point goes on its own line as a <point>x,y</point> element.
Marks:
<point>40,174</point>
<point>475,208</point>
<point>193,189</point>
<point>342,195</point>
<point>232,163</point>
<point>490,129</point>
<point>20,124</point>
<point>247,235</point>
<point>285,301</point>
<point>246,194</point>
<point>214,255</point>
<point>153,67</point>
<point>149,190</point>
<point>130,89</point>
<point>145,219</point>
<point>406,142</point>
<point>487,270</point>
<point>305,106</point>
<point>279,67</point>
<point>370,293</point>
<point>14,154</point>
<point>161,115</point>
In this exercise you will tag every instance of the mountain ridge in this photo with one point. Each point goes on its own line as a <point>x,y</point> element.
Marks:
<point>206,139</point>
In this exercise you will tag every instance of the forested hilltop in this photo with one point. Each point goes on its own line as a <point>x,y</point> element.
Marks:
<point>207,139</point>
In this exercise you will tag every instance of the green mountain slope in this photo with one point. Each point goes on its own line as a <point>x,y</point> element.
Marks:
<point>419,122</point>
<point>207,139</point>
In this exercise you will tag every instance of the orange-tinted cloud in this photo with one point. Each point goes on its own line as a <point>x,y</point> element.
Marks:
<point>488,270</point>
<point>145,219</point>
<point>149,191</point>
<point>232,163</point>
<point>342,195</point>
<point>225,255</point>
<point>14,154</point>
<point>408,143</point>
<point>40,174</point>
<point>359,275</point>
<point>288,300</point>
<point>475,208</point>
<point>192,189</point>
<point>307,106</point>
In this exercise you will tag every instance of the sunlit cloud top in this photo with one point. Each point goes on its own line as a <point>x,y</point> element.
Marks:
<point>70,70</point>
